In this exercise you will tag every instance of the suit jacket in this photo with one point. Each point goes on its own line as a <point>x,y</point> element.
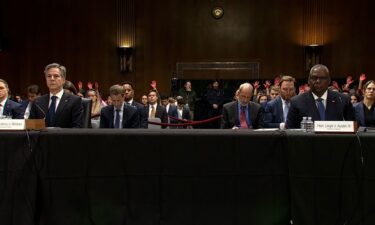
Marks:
<point>130,117</point>
<point>172,111</point>
<point>12,109</point>
<point>230,115</point>
<point>338,108</point>
<point>360,114</point>
<point>160,113</point>
<point>68,113</point>
<point>143,114</point>
<point>274,113</point>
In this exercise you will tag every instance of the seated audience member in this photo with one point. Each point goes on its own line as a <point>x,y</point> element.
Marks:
<point>235,97</point>
<point>96,103</point>
<point>262,98</point>
<point>144,100</point>
<point>129,99</point>
<point>364,110</point>
<point>243,113</point>
<point>276,111</point>
<point>8,108</point>
<point>182,110</point>
<point>58,108</point>
<point>154,109</point>
<point>69,88</point>
<point>109,100</point>
<point>275,91</point>
<point>319,102</point>
<point>170,108</point>
<point>355,98</point>
<point>118,115</point>
<point>32,93</point>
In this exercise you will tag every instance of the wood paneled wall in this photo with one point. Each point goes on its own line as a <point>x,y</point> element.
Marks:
<point>84,36</point>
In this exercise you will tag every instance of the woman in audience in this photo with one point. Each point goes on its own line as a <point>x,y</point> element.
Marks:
<point>354,99</point>
<point>96,103</point>
<point>144,100</point>
<point>364,110</point>
<point>69,87</point>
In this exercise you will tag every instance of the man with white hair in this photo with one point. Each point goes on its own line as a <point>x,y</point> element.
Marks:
<point>243,113</point>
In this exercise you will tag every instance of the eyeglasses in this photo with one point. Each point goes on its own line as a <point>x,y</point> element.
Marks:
<point>315,78</point>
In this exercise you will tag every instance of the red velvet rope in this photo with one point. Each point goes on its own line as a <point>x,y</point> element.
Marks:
<point>190,123</point>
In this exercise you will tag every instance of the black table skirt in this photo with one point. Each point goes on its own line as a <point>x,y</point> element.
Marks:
<point>185,177</point>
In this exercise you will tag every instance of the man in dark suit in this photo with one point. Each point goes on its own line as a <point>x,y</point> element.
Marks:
<point>8,108</point>
<point>243,113</point>
<point>32,93</point>
<point>276,111</point>
<point>170,107</point>
<point>319,103</point>
<point>129,100</point>
<point>119,114</point>
<point>155,110</point>
<point>58,108</point>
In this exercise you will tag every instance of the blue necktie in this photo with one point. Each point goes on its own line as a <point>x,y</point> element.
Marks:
<point>52,111</point>
<point>117,119</point>
<point>321,109</point>
<point>286,110</point>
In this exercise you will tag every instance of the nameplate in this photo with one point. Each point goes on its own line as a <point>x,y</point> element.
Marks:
<point>334,126</point>
<point>12,124</point>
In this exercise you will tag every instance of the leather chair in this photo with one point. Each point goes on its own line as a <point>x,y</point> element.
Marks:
<point>86,115</point>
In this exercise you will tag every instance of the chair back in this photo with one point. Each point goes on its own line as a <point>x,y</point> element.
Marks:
<point>86,116</point>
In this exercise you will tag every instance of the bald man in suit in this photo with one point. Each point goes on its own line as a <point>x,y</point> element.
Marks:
<point>319,103</point>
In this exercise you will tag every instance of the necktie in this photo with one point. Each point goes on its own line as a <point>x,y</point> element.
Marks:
<point>243,117</point>
<point>117,119</point>
<point>286,110</point>
<point>153,111</point>
<point>321,109</point>
<point>52,111</point>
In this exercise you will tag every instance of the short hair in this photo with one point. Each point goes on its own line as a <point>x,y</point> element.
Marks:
<point>131,84</point>
<point>33,89</point>
<point>287,78</point>
<point>163,97</point>
<point>152,91</point>
<point>318,66</point>
<point>5,84</point>
<point>70,87</point>
<point>180,100</point>
<point>275,88</point>
<point>116,90</point>
<point>58,66</point>
<point>368,83</point>
<point>244,85</point>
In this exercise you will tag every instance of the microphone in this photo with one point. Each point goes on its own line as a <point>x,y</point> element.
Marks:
<point>40,109</point>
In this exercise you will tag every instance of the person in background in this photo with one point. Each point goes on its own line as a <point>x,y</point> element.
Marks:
<point>129,99</point>
<point>274,92</point>
<point>70,88</point>
<point>354,99</point>
<point>182,110</point>
<point>144,100</point>
<point>154,109</point>
<point>190,97</point>
<point>319,102</point>
<point>109,100</point>
<point>364,110</point>
<point>215,99</point>
<point>96,103</point>
<point>8,108</point>
<point>58,108</point>
<point>32,93</point>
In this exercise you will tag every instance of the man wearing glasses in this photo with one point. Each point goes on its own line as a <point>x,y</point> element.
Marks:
<point>58,108</point>
<point>319,103</point>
